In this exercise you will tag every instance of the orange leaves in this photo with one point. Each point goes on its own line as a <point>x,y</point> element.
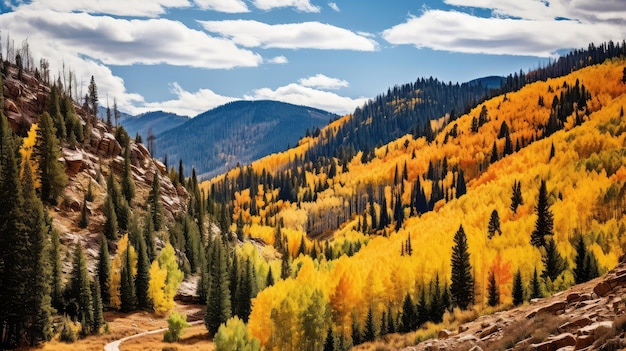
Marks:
<point>503,275</point>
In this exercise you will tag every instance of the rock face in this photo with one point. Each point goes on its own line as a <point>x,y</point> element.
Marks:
<point>589,316</point>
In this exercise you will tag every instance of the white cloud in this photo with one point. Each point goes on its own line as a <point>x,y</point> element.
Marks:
<point>186,103</point>
<point>309,35</point>
<point>130,8</point>
<point>334,6</point>
<point>462,32</point>
<point>278,60</point>
<point>227,6</point>
<point>300,5</point>
<point>324,82</point>
<point>298,94</point>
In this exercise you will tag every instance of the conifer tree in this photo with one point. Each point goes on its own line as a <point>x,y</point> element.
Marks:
<point>47,151</point>
<point>581,275</point>
<point>98,315</point>
<point>516,196</point>
<point>460,187</point>
<point>218,309</point>
<point>154,201</point>
<point>142,280</point>
<point>110,223</point>
<point>128,184</point>
<point>148,235</point>
<point>285,267</point>
<point>408,320</point>
<point>57,271</point>
<point>314,321</point>
<point>269,280</point>
<point>80,290</point>
<point>518,289</point>
<point>84,215</point>
<point>128,295</point>
<point>494,153</point>
<point>370,328</point>
<point>493,290</point>
<point>329,342</point>
<point>462,288</point>
<point>92,91</point>
<point>104,271</point>
<point>89,194</point>
<point>545,221</point>
<point>535,285</point>
<point>494,225</point>
<point>422,310</point>
<point>552,260</point>
<point>357,336</point>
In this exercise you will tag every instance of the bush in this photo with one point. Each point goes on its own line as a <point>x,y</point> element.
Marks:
<point>234,336</point>
<point>67,332</point>
<point>177,323</point>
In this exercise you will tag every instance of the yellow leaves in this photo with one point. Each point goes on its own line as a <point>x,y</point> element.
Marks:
<point>165,278</point>
<point>116,269</point>
<point>156,289</point>
<point>26,150</point>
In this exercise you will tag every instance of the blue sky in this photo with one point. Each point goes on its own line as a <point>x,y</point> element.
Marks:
<point>188,56</point>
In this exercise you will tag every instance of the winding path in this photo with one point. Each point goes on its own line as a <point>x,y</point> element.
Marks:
<point>115,345</point>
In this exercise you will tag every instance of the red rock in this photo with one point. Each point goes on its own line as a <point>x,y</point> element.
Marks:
<point>584,341</point>
<point>552,308</point>
<point>9,105</point>
<point>591,329</point>
<point>555,343</point>
<point>576,324</point>
<point>444,334</point>
<point>73,161</point>
<point>602,289</point>
<point>490,330</point>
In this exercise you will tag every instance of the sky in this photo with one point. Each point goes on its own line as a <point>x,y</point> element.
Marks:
<point>189,56</point>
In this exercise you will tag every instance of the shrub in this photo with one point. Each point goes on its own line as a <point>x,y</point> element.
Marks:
<point>177,323</point>
<point>67,332</point>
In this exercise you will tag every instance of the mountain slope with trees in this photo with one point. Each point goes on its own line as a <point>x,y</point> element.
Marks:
<point>238,133</point>
<point>148,125</point>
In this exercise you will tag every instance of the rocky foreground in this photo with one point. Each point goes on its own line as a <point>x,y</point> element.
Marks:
<point>589,316</point>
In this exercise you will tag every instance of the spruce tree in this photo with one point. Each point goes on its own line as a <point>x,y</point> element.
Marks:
<point>493,290</point>
<point>80,290</point>
<point>494,225</point>
<point>462,288</point>
<point>269,280</point>
<point>142,280</point>
<point>535,285</point>
<point>104,271</point>
<point>98,314</point>
<point>545,221</point>
<point>218,309</point>
<point>84,215</point>
<point>518,289</point>
<point>408,319</point>
<point>148,235</point>
<point>128,295</point>
<point>516,196</point>
<point>581,275</point>
<point>552,260</point>
<point>329,342</point>
<point>370,331</point>
<point>156,207</point>
<point>110,222</point>
<point>128,184</point>
<point>92,91</point>
<point>57,271</point>
<point>47,151</point>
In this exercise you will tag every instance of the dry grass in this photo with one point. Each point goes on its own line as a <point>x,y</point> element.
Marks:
<point>195,338</point>
<point>528,330</point>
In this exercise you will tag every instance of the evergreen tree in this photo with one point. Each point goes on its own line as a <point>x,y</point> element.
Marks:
<point>47,151</point>
<point>314,321</point>
<point>218,309</point>
<point>581,275</point>
<point>148,235</point>
<point>357,337</point>
<point>104,271</point>
<point>494,225</point>
<point>128,294</point>
<point>269,281</point>
<point>80,290</point>
<point>57,271</point>
<point>89,195</point>
<point>156,207</point>
<point>98,314</point>
<point>116,113</point>
<point>493,290</point>
<point>110,222</point>
<point>518,289</point>
<point>494,153</point>
<point>128,184</point>
<point>422,310</point>
<point>285,267</point>
<point>84,215</point>
<point>408,320</point>
<point>92,91</point>
<point>545,221</point>
<point>370,327</point>
<point>535,285</point>
<point>462,288</point>
<point>516,196</point>
<point>329,342</point>
<point>460,187</point>
<point>142,280</point>
<point>553,263</point>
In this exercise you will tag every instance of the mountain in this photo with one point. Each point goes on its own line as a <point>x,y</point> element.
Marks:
<point>238,133</point>
<point>154,122</point>
<point>490,82</point>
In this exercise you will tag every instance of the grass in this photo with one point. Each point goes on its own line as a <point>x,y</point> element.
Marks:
<point>528,330</point>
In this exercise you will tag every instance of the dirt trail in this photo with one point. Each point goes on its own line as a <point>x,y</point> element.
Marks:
<point>115,345</point>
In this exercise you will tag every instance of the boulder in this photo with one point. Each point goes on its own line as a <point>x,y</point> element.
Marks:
<point>584,341</point>
<point>444,334</point>
<point>592,329</point>
<point>552,308</point>
<point>576,324</point>
<point>73,161</point>
<point>602,289</point>
<point>555,343</point>
<point>493,328</point>
<point>9,105</point>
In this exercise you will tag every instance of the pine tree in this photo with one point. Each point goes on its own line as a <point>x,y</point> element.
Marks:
<point>57,271</point>
<point>104,271</point>
<point>84,215</point>
<point>98,314</point>
<point>156,207</point>
<point>494,153</point>
<point>110,223</point>
<point>516,196</point>
<point>128,184</point>
<point>89,195</point>
<point>357,337</point>
<point>218,309</point>
<point>80,290</point>
<point>581,275</point>
<point>285,267</point>
<point>148,235</point>
<point>142,280</point>
<point>92,91</point>
<point>128,294</point>
<point>553,263</point>
<point>545,221</point>
<point>329,342</point>
<point>460,187</point>
<point>493,290</point>
<point>535,284</point>
<point>518,289</point>
<point>462,288</point>
<point>116,113</point>
<point>370,327</point>
<point>408,320</point>
<point>269,281</point>
<point>494,225</point>
<point>108,120</point>
<point>47,151</point>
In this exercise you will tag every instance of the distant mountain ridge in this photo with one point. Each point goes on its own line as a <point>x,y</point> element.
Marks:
<point>154,122</point>
<point>237,132</point>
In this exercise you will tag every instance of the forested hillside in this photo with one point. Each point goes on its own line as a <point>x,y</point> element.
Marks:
<point>148,125</point>
<point>238,133</point>
<point>503,190</point>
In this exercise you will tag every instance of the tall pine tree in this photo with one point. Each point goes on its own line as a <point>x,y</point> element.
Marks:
<point>218,309</point>
<point>545,220</point>
<point>462,287</point>
<point>48,152</point>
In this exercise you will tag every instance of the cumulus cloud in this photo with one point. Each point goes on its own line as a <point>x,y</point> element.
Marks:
<point>130,8</point>
<point>186,103</point>
<point>300,5</point>
<point>525,27</point>
<point>227,6</point>
<point>306,35</point>
<point>334,6</point>
<point>299,94</point>
<point>278,60</point>
<point>324,82</point>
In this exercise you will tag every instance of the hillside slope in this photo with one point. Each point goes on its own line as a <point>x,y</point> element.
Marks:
<point>154,122</point>
<point>238,132</point>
